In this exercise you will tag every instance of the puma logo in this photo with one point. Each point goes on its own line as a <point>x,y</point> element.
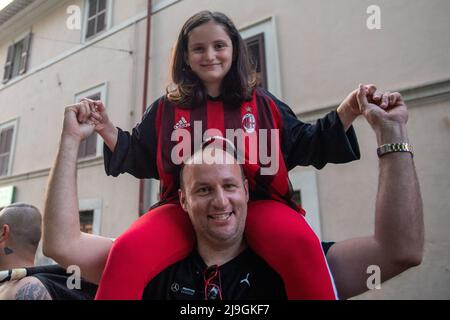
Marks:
<point>245,280</point>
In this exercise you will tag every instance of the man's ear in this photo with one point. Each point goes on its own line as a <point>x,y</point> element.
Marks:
<point>4,233</point>
<point>182,196</point>
<point>247,195</point>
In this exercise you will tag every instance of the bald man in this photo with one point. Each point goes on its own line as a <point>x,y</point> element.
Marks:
<point>19,239</point>
<point>20,279</point>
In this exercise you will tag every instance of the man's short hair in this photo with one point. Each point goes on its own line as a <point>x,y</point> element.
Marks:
<point>215,142</point>
<point>24,221</point>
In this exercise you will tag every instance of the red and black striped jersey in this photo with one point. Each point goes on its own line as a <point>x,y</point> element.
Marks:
<point>265,127</point>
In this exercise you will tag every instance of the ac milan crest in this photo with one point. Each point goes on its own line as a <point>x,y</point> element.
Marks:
<point>249,122</point>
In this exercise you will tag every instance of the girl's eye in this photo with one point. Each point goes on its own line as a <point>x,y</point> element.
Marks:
<point>197,49</point>
<point>229,186</point>
<point>220,46</point>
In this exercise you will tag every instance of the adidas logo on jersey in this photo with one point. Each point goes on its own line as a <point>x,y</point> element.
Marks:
<point>181,124</point>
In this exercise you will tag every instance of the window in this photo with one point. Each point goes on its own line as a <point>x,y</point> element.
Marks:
<point>151,193</point>
<point>7,196</point>
<point>87,221</point>
<point>261,39</point>
<point>96,17</point>
<point>90,215</point>
<point>6,146</point>
<point>304,183</point>
<point>256,49</point>
<point>297,197</point>
<point>92,146</point>
<point>17,58</point>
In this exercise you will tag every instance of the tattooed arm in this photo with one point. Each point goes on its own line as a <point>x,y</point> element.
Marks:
<point>30,288</point>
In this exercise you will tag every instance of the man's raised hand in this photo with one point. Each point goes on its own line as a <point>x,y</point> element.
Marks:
<point>389,120</point>
<point>392,111</point>
<point>72,125</point>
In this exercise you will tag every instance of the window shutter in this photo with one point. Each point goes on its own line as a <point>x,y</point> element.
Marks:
<point>91,145</point>
<point>88,147</point>
<point>9,63</point>
<point>91,18</point>
<point>25,54</point>
<point>82,150</point>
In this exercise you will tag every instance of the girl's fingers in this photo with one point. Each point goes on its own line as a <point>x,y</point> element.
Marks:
<point>396,97</point>
<point>91,103</point>
<point>96,116</point>
<point>99,106</point>
<point>361,97</point>
<point>371,89</point>
<point>385,100</point>
<point>391,99</point>
<point>377,97</point>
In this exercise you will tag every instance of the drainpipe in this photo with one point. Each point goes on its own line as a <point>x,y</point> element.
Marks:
<point>142,210</point>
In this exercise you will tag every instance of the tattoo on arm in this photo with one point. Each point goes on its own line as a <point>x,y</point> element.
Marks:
<point>33,291</point>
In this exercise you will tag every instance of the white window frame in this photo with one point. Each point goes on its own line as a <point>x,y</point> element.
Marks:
<point>103,90</point>
<point>267,26</point>
<point>163,4</point>
<point>306,182</point>
<point>14,123</point>
<point>96,206</point>
<point>109,5</point>
<point>151,197</point>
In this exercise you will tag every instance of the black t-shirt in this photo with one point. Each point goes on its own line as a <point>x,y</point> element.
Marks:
<point>55,279</point>
<point>245,277</point>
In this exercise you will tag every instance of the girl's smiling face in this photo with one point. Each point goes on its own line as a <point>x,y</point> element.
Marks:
<point>210,55</point>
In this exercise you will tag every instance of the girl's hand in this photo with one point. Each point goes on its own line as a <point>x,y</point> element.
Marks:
<point>350,103</point>
<point>97,115</point>
<point>349,109</point>
<point>102,125</point>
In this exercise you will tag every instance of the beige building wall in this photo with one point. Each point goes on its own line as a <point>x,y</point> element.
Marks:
<point>62,65</point>
<point>321,51</point>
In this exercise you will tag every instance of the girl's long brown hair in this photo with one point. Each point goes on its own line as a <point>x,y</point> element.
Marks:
<point>188,90</point>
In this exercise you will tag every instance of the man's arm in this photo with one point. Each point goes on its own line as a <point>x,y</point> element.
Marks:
<point>397,243</point>
<point>62,239</point>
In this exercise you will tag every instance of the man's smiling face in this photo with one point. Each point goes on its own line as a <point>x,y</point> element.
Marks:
<point>215,197</point>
